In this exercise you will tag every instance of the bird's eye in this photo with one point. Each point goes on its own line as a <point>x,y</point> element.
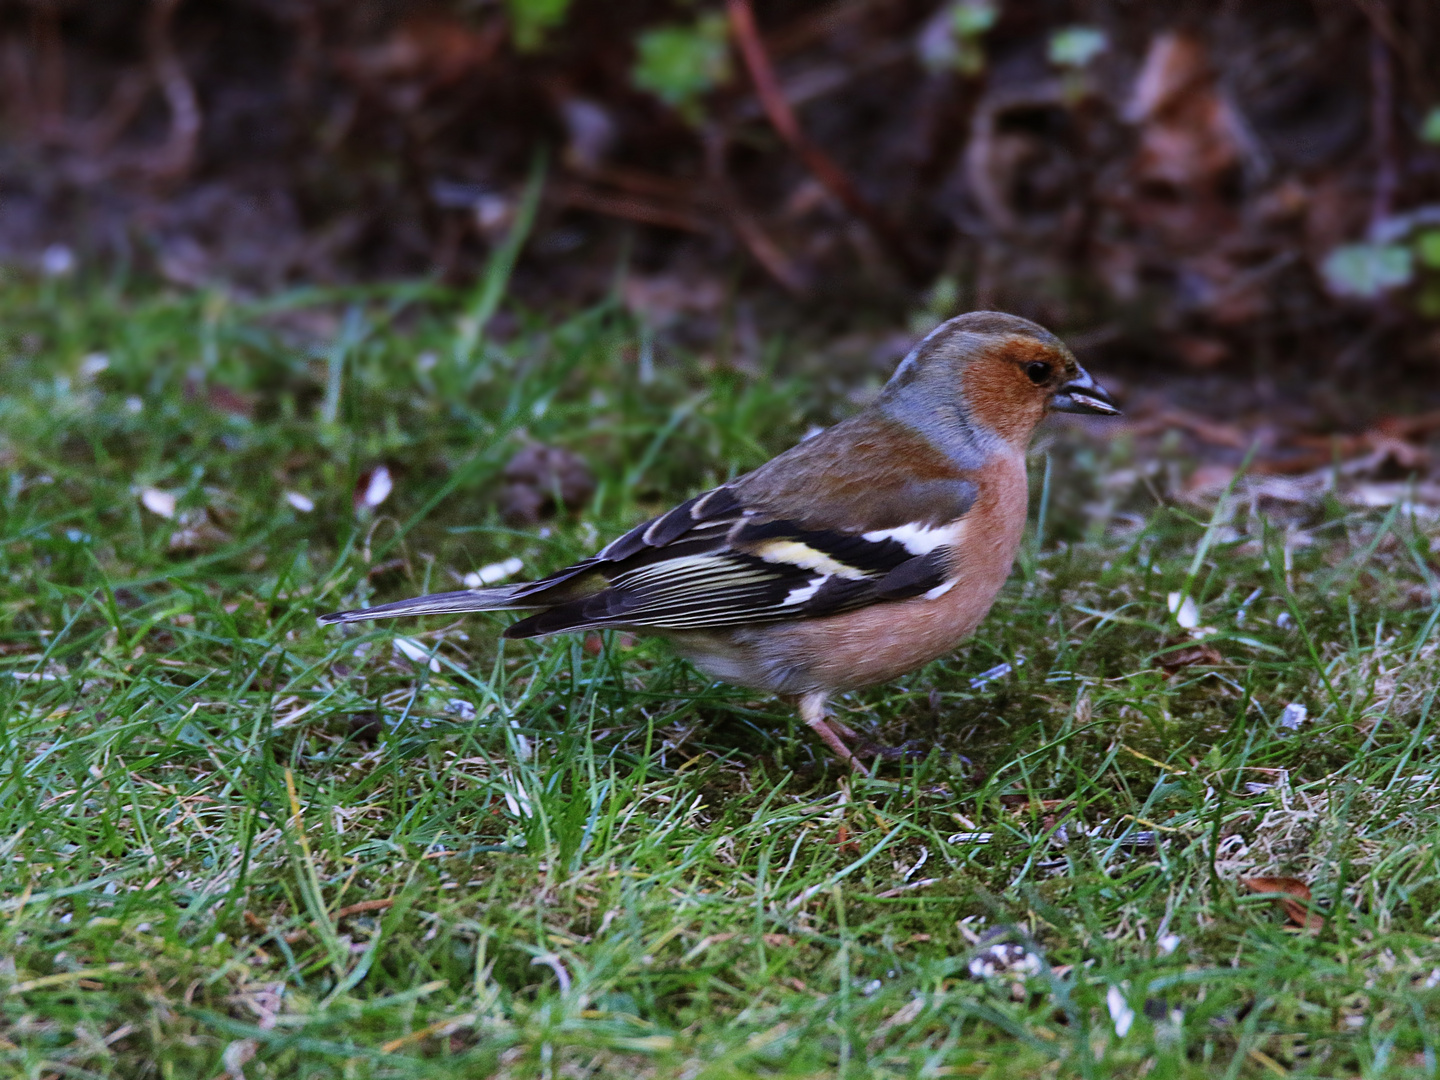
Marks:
<point>1038,372</point>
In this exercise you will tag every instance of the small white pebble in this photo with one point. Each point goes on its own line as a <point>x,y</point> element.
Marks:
<point>1245,606</point>
<point>57,260</point>
<point>1120,1011</point>
<point>495,572</point>
<point>460,708</point>
<point>412,650</point>
<point>134,404</point>
<point>999,671</point>
<point>303,503</point>
<point>94,364</point>
<point>1293,716</point>
<point>1185,610</point>
<point>1168,944</point>
<point>1284,620</point>
<point>522,744</point>
<point>378,487</point>
<point>1005,958</point>
<point>158,502</point>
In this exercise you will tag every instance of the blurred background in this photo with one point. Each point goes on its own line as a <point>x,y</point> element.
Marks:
<point>1238,200</point>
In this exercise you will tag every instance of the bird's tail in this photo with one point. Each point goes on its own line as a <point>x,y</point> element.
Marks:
<point>444,603</point>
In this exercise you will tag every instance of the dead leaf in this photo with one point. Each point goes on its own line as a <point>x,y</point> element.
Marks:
<point>540,480</point>
<point>1187,136</point>
<point>197,533</point>
<point>381,572</point>
<point>665,299</point>
<point>221,398</point>
<point>1208,481</point>
<point>1021,172</point>
<point>1200,351</point>
<point>431,47</point>
<point>1294,896</point>
<point>1191,656</point>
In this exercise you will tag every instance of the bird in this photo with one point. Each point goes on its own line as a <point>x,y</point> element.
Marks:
<point>862,553</point>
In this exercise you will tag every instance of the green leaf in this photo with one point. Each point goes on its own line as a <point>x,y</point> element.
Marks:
<point>972,18</point>
<point>1427,248</point>
<point>1430,129</point>
<point>1428,302</point>
<point>679,64</point>
<point>529,19</point>
<point>1076,46</point>
<point>1367,270</point>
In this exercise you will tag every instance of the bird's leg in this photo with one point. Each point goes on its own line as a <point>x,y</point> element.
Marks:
<point>812,711</point>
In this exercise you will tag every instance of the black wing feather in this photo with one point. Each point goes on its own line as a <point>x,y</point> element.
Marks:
<point>709,562</point>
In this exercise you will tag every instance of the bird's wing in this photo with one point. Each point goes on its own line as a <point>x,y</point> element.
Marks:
<point>722,560</point>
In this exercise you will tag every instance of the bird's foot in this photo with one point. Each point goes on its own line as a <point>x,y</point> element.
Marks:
<point>812,711</point>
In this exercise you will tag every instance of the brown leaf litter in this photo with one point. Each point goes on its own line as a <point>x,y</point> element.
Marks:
<point>1293,895</point>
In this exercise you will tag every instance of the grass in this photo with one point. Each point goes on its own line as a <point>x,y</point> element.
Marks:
<point>236,842</point>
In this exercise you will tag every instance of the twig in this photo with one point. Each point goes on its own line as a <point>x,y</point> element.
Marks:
<point>1382,125</point>
<point>821,81</point>
<point>50,78</point>
<point>1409,427</point>
<point>823,167</point>
<point>630,207</point>
<point>763,249</point>
<point>808,29</point>
<point>766,252</point>
<point>174,159</point>
<point>363,906</point>
<point>1382,22</point>
<point>16,83</point>
<point>103,129</point>
<point>637,181</point>
<point>889,894</point>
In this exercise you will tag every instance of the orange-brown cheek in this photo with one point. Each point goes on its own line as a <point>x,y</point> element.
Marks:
<point>1004,400</point>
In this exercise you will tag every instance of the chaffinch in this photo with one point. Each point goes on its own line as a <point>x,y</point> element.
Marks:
<point>864,552</point>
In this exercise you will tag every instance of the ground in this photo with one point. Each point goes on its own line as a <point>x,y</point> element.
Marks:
<point>237,842</point>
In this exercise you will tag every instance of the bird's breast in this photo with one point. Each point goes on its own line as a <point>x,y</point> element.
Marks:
<point>883,641</point>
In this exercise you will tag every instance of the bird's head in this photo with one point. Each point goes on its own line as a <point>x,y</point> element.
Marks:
<point>996,372</point>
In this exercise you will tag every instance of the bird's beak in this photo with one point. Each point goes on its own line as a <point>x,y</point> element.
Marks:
<point>1083,394</point>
